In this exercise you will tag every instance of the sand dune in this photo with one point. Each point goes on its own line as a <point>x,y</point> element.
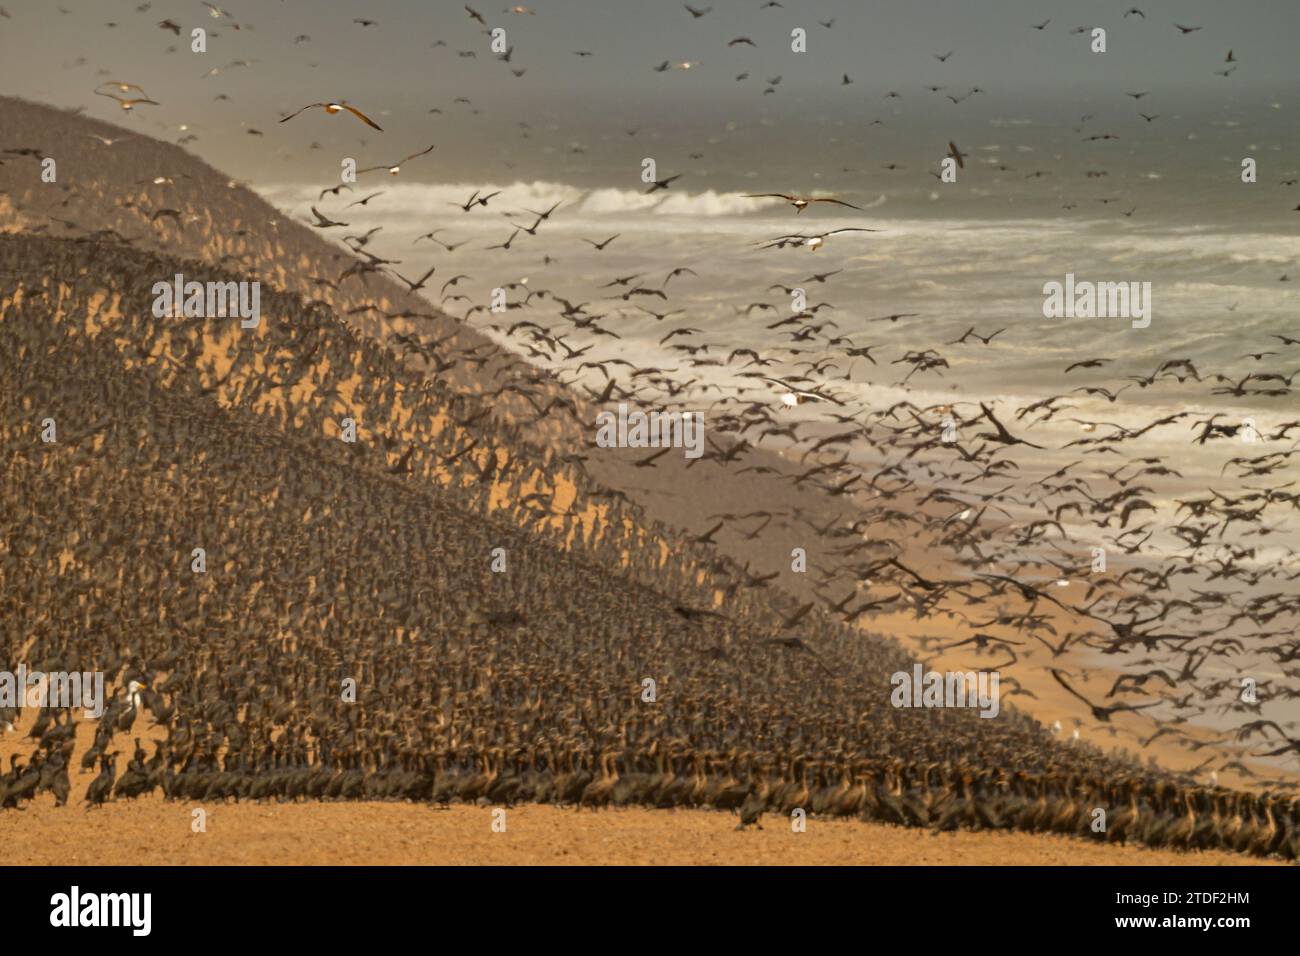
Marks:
<point>369,558</point>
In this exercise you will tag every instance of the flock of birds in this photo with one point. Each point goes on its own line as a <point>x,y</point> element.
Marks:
<point>331,562</point>
<point>316,548</point>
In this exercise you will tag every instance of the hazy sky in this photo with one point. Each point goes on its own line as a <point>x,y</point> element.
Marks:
<point>394,71</point>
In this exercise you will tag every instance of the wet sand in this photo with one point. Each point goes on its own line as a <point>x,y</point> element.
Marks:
<point>153,831</point>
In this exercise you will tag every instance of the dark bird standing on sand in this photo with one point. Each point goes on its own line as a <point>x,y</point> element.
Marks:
<point>102,786</point>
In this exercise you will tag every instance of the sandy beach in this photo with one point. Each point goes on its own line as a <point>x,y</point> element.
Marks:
<point>365,580</point>
<point>154,831</point>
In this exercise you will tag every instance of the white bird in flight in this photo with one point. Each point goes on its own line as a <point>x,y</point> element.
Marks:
<point>332,108</point>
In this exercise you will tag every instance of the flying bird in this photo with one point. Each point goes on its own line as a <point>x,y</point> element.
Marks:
<point>128,103</point>
<point>322,222</point>
<point>801,203</point>
<point>813,242</point>
<point>475,200</point>
<point>332,108</point>
<point>1099,713</point>
<point>663,183</point>
<point>396,167</point>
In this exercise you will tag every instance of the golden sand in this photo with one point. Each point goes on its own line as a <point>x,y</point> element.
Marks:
<point>153,831</point>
